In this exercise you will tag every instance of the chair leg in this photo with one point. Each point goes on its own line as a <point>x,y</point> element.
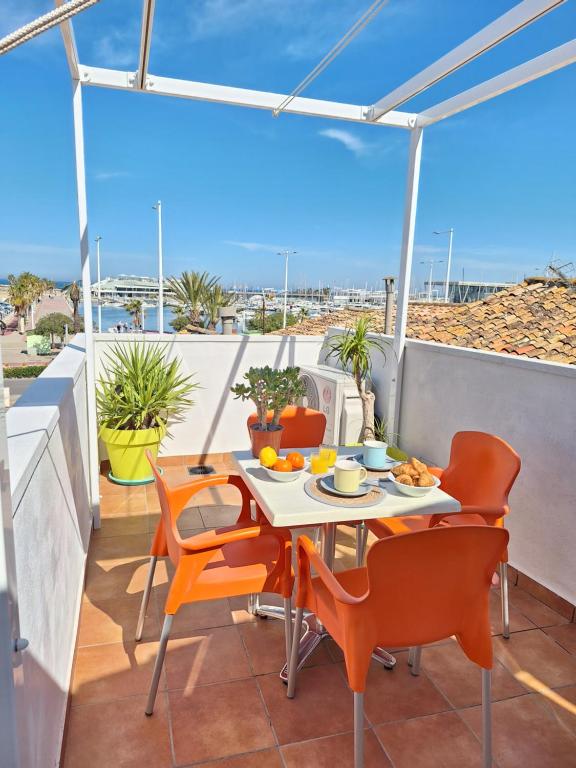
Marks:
<point>486,719</point>
<point>145,598</point>
<point>358,730</point>
<point>361,541</point>
<point>293,665</point>
<point>505,604</point>
<point>288,627</point>
<point>416,656</point>
<point>316,537</point>
<point>159,663</point>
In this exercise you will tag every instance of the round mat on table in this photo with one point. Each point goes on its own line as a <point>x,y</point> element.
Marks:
<point>315,491</point>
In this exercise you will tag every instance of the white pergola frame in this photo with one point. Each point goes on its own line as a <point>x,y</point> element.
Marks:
<point>381,113</point>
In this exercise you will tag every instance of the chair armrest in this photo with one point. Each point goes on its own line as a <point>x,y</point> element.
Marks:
<point>221,536</point>
<point>490,514</point>
<point>436,471</point>
<point>307,556</point>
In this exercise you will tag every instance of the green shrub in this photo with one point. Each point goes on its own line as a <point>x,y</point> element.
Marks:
<point>272,322</point>
<point>23,372</point>
<point>54,325</point>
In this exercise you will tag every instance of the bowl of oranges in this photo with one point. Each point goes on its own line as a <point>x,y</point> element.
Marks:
<point>283,469</point>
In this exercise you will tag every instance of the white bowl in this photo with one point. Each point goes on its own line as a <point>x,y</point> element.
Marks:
<point>284,477</point>
<point>414,490</point>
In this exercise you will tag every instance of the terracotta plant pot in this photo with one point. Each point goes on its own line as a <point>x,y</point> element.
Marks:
<point>262,438</point>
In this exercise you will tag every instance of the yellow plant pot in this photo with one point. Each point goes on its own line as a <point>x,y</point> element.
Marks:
<point>127,453</point>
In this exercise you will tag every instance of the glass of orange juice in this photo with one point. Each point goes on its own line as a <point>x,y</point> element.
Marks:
<point>330,453</point>
<point>318,463</point>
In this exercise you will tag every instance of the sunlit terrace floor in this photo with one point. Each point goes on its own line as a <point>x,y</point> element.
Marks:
<point>221,702</point>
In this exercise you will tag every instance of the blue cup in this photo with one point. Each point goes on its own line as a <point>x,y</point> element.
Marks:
<point>374,454</point>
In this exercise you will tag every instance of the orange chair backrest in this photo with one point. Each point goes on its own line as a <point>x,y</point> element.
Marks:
<point>303,427</point>
<point>433,584</point>
<point>481,471</point>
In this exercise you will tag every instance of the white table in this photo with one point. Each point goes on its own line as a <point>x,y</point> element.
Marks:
<point>287,505</point>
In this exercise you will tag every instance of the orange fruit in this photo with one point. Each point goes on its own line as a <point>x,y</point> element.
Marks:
<point>268,457</point>
<point>296,459</point>
<point>282,465</point>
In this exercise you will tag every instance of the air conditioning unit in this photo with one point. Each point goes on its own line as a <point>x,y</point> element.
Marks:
<point>334,392</point>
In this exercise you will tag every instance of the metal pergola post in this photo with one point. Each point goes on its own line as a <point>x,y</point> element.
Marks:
<point>406,254</point>
<point>93,463</point>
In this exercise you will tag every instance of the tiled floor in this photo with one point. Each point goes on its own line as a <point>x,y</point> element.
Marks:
<point>221,703</point>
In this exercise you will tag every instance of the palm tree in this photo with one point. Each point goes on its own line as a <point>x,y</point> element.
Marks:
<point>215,298</point>
<point>134,309</point>
<point>24,289</point>
<point>189,291</point>
<point>72,290</point>
<point>353,350</point>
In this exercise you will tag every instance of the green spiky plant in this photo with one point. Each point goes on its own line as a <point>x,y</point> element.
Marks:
<point>141,389</point>
<point>270,389</point>
<point>353,349</point>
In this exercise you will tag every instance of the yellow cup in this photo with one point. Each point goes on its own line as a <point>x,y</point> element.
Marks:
<point>318,464</point>
<point>330,452</point>
<point>348,475</point>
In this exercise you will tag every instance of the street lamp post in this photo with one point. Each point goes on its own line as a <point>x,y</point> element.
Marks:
<point>99,287</point>
<point>431,262</point>
<point>158,207</point>
<point>449,232</point>
<point>285,254</point>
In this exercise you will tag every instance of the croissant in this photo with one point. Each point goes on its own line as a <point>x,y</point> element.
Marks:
<point>405,480</point>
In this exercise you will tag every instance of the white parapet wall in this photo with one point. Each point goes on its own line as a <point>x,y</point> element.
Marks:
<point>217,422</point>
<point>530,404</point>
<point>48,456</point>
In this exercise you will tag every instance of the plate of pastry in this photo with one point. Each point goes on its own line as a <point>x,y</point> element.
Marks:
<point>413,478</point>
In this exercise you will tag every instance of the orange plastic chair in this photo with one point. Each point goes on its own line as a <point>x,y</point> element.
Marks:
<point>416,588</point>
<point>241,559</point>
<point>480,474</point>
<point>303,427</point>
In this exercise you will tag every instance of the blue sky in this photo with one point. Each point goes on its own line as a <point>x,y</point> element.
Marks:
<point>237,185</point>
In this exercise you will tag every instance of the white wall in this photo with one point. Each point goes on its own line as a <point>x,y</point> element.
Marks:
<point>530,404</point>
<point>47,443</point>
<point>217,422</point>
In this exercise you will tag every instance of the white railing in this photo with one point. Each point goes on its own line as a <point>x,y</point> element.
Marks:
<point>48,455</point>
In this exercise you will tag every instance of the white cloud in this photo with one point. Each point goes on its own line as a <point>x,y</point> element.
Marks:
<point>108,175</point>
<point>349,140</point>
<point>119,48</point>
<point>255,247</point>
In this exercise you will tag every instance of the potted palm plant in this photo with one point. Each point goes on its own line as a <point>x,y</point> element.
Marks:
<point>138,394</point>
<point>353,349</point>
<point>271,390</point>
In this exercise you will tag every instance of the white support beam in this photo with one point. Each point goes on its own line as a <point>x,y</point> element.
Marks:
<point>503,27</point>
<point>404,278</point>
<point>242,97</point>
<point>145,42</point>
<point>542,65</point>
<point>93,462</point>
<point>67,31</point>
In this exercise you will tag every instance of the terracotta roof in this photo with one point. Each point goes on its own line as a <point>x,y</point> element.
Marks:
<point>536,318</point>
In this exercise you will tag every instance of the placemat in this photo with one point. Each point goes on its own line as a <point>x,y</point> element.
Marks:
<point>315,491</point>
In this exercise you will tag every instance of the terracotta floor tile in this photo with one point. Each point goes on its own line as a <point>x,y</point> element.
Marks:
<point>565,636</point>
<point>322,705</point>
<point>460,680</point>
<point>266,647</point>
<point>113,621</point>
<point>430,742</point>
<point>562,702</point>
<point>334,752</point>
<point>95,740</point>
<point>557,603</point>
<point>239,609</point>
<point>118,549</point>
<point>267,758</point>
<point>394,694</point>
<point>119,505</point>
<point>112,671</point>
<point>121,526</point>
<point>212,656</point>
<point>220,495</point>
<point>117,581</point>
<point>526,733</point>
<point>195,616</point>
<point>518,622</point>
<point>219,516</point>
<point>536,611</point>
<point>221,720</point>
<point>535,655</point>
